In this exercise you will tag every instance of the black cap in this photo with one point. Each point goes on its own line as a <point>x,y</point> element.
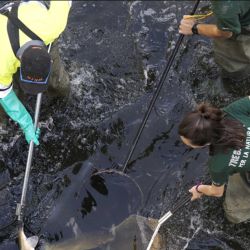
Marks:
<point>35,67</point>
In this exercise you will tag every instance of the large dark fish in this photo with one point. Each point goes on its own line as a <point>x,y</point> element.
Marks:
<point>133,233</point>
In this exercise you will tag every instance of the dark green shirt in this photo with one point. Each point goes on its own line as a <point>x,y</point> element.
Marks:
<point>231,15</point>
<point>221,165</point>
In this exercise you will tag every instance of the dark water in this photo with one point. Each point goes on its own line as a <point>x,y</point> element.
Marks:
<point>115,52</point>
<point>88,208</point>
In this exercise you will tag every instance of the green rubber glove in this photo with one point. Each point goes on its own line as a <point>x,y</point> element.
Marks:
<point>15,109</point>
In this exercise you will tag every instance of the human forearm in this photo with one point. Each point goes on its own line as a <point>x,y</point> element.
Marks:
<point>209,190</point>
<point>212,31</point>
<point>208,30</point>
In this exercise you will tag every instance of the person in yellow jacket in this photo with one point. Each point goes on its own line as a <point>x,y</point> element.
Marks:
<point>26,29</point>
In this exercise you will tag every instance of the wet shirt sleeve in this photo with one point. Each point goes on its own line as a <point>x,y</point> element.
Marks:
<point>240,110</point>
<point>227,15</point>
<point>218,170</point>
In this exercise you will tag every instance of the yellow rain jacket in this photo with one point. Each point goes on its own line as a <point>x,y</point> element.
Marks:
<point>48,24</point>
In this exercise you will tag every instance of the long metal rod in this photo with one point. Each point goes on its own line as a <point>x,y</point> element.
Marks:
<point>156,94</point>
<point>166,216</point>
<point>21,205</point>
<point>153,236</point>
<point>6,7</point>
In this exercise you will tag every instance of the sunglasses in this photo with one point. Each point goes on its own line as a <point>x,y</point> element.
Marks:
<point>33,80</point>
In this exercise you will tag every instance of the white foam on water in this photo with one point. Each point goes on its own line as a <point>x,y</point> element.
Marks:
<point>196,224</point>
<point>149,12</point>
<point>132,6</point>
<point>69,45</point>
<point>48,124</point>
<point>145,73</point>
<point>83,76</point>
<point>167,18</point>
<point>14,139</point>
<point>73,224</point>
<point>112,230</point>
<point>123,83</point>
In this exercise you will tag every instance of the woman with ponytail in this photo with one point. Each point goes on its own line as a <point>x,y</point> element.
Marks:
<point>227,134</point>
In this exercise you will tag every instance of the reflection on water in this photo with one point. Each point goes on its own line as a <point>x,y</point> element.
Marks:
<point>115,51</point>
<point>91,202</point>
<point>207,242</point>
<point>98,183</point>
<point>88,204</point>
<point>131,234</point>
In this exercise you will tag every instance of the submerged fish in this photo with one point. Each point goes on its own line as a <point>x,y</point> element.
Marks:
<point>133,233</point>
<point>84,242</point>
<point>26,243</point>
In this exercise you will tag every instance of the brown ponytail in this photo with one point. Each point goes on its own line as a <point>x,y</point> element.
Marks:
<point>207,124</point>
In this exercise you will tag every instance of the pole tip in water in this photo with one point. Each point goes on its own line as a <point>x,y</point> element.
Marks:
<point>27,243</point>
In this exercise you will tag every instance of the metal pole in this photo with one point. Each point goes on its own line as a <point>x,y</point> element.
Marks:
<point>160,222</point>
<point>6,7</point>
<point>21,205</point>
<point>167,215</point>
<point>156,94</point>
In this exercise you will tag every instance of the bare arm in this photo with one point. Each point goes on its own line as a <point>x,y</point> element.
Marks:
<point>208,30</point>
<point>209,190</point>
